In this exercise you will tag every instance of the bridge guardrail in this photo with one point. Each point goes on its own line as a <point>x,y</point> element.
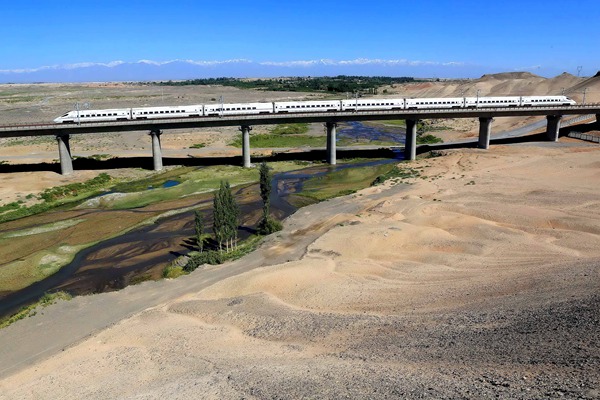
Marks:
<point>584,136</point>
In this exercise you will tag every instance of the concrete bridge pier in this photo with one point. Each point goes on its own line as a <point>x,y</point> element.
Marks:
<point>156,150</point>
<point>553,127</point>
<point>331,152</point>
<point>485,131</point>
<point>410,144</point>
<point>64,153</point>
<point>246,145</point>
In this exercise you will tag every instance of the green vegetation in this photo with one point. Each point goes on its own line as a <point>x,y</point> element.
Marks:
<point>173,271</point>
<point>31,310</point>
<point>428,139</point>
<point>33,267</point>
<point>290,129</point>
<point>155,180</point>
<point>267,224</point>
<point>394,122</point>
<point>201,237</point>
<point>398,173</point>
<point>54,197</point>
<point>226,215</point>
<point>73,189</point>
<point>283,136</point>
<point>425,126</point>
<point>197,146</point>
<point>269,140</point>
<point>336,84</point>
<point>214,257</point>
<point>342,182</point>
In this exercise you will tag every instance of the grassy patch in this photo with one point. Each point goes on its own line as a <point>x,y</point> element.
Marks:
<point>173,271</point>
<point>428,139</point>
<point>344,142</point>
<point>394,122</point>
<point>53,226</point>
<point>31,310</point>
<point>57,196</point>
<point>74,189</point>
<point>198,146</point>
<point>35,267</point>
<point>342,182</point>
<point>193,181</point>
<point>290,129</point>
<point>397,172</point>
<point>212,257</point>
<point>155,180</point>
<point>271,140</point>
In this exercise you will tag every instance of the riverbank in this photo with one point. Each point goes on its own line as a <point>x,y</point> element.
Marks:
<point>481,280</point>
<point>85,251</point>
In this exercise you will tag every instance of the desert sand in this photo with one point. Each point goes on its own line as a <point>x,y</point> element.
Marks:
<point>480,281</point>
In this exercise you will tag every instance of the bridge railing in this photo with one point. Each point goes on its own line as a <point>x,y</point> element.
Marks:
<point>584,136</point>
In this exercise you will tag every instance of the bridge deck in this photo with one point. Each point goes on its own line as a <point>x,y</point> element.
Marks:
<point>269,119</point>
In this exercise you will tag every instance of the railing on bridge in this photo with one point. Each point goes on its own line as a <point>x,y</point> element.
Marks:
<point>584,136</point>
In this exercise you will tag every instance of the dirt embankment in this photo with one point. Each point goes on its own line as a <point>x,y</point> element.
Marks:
<point>479,281</point>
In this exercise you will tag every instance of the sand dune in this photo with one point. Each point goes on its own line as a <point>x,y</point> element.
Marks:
<point>480,280</point>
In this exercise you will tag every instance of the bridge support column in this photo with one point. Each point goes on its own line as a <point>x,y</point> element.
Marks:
<point>485,131</point>
<point>553,127</point>
<point>64,153</point>
<point>410,143</point>
<point>246,145</point>
<point>331,152</point>
<point>156,150</point>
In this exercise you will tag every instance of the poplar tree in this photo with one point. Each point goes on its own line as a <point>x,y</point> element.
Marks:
<point>226,217</point>
<point>267,225</point>
<point>199,226</point>
<point>265,188</point>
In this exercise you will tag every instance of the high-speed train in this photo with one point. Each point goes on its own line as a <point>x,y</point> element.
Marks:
<point>372,104</point>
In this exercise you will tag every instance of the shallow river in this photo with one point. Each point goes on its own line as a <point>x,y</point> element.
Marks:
<point>143,252</point>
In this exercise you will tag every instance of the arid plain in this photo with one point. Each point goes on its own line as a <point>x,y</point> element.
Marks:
<point>480,281</point>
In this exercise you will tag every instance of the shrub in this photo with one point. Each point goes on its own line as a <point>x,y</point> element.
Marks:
<point>269,225</point>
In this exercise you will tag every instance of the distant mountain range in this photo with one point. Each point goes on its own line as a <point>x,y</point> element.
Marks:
<point>147,70</point>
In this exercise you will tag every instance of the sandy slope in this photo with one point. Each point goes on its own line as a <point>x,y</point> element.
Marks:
<point>480,280</point>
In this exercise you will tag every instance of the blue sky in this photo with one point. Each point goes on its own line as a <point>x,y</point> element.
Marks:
<point>416,38</point>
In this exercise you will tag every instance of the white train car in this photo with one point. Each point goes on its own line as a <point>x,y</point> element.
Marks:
<point>86,116</point>
<point>527,101</point>
<point>426,103</point>
<point>215,110</point>
<point>501,101</point>
<point>307,106</point>
<point>372,104</point>
<point>167,112</point>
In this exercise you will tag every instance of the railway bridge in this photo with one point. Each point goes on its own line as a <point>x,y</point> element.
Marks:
<point>156,127</point>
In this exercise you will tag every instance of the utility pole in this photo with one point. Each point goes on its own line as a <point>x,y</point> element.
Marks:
<point>579,67</point>
<point>478,90</point>
<point>584,92</point>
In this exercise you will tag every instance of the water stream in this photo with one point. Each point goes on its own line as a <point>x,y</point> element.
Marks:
<point>111,264</point>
